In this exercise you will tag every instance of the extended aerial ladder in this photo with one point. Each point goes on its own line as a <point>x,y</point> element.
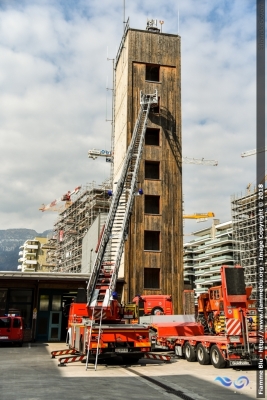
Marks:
<point>111,246</point>
<point>104,274</point>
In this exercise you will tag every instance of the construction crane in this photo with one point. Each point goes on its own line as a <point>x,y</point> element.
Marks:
<point>252,152</point>
<point>53,206</point>
<point>199,161</point>
<point>186,160</point>
<point>199,216</point>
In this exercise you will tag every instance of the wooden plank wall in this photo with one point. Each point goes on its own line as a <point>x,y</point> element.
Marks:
<point>155,48</point>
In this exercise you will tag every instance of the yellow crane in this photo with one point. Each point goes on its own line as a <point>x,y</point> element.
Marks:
<point>199,215</point>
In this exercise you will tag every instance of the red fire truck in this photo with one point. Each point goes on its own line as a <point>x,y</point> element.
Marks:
<point>12,329</point>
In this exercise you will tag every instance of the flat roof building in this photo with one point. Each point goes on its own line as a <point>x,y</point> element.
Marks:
<point>204,256</point>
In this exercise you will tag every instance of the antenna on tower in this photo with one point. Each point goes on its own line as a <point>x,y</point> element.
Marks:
<point>124,22</point>
<point>178,20</point>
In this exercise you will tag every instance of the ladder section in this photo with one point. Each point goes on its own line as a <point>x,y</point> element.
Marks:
<point>103,278</point>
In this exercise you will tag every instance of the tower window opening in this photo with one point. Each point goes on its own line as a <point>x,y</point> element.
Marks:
<point>152,137</point>
<point>152,204</point>
<point>151,169</point>
<point>151,278</point>
<point>152,240</point>
<point>152,73</point>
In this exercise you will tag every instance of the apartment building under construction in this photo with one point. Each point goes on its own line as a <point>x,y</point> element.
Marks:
<point>64,248</point>
<point>245,235</point>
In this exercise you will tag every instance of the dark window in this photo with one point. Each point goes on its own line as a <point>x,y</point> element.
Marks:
<point>152,137</point>
<point>5,322</point>
<point>21,304</point>
<point>152,204</point>
<point>152,73</point>
<point>16,323</point>
<point>235,281</point>
<point>151,240</point>
<point>151,170</point>
<point>151,278</point>
<point>20,296</point>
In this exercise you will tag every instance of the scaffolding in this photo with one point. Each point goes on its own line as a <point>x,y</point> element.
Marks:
<point>64,248</point>
<point>244,217</point>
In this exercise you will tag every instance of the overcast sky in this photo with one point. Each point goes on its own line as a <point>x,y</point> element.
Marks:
<point>53,76</point>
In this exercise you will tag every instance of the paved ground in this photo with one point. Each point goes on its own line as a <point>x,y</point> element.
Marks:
<point>29,373</point>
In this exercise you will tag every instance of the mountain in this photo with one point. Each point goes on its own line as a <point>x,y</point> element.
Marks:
<point>10,242</point>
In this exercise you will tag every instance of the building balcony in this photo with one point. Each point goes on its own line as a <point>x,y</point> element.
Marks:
<point>188,257</point>
<point>210,281</point>
<point>189,273</point>
<point>202,256</point>
<point>30,254</point>
<point>189,265</point>
<point>198,281</point>
<point>31,246</point>
<point>200,290</point>
<point>220,250</point>
<point>30,262</point>
<point>220,259</point>
<point>200,272</point>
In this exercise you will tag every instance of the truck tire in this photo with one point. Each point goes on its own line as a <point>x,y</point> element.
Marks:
<point>189,353</point>
<point>216,357</point>
<point>157,311</point>
<point>203,356</point>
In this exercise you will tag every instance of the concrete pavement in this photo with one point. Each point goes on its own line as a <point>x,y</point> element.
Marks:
<point>29,373</point>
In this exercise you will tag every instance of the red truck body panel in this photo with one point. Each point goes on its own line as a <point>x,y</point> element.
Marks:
<point>11,329</point>
<point>155,303</point>
<point>174,329</point>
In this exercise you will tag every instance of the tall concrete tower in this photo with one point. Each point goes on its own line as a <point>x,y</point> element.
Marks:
<point>149,60</point>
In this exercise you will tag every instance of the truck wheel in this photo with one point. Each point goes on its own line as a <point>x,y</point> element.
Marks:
<point>156,311</point>
<point>189,352</point>
<point>216,357</point>
<point>203,356</point>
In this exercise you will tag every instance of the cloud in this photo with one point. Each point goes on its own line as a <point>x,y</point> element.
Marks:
<point>54,103</point>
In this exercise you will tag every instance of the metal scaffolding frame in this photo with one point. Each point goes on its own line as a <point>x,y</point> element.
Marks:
<point>65,246</point>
